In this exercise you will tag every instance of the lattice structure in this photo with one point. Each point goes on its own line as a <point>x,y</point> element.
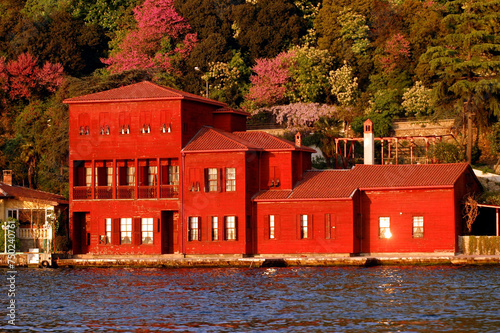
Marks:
<point>393,150</point>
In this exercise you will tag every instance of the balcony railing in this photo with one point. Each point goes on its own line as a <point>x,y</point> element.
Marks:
<point>82,192</point>
<point>104,192</point>
<point>30,233</point>
<point>125,192</point>
<point>146,192</point>
<point>169,191</point>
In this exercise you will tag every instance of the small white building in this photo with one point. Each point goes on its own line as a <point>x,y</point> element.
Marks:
<point>36,211</point>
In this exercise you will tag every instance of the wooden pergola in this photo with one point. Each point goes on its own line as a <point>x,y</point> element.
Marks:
<point>497,224</point>
<point>392,146</point>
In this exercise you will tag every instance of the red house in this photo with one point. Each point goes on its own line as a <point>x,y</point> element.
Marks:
<point>160,171</point>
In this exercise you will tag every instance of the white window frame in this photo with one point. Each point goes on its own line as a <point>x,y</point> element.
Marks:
<point>147,230</point>
<point>384,225</point>
<point>125,230</point>
<point>272,227</point>
<point>194,231</point>
<point>418,227</point>
<point>230,179</point>
<point>304,227</point>
<point>213,179</point>
<point>215,228</point>
<point>230,227</point>
<point>107,227</point>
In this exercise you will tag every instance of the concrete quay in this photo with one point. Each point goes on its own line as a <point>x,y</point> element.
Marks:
<point>169,261</point>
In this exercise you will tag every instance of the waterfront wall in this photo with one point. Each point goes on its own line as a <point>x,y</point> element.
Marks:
<point>479,245</point>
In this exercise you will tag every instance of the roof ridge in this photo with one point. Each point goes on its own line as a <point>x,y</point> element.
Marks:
<point>247,143</point>
<point>34,190</point>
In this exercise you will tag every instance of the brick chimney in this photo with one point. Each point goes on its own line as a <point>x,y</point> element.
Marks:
<point>369,143</point>
<point>298,139</point>
<point>7,177</point>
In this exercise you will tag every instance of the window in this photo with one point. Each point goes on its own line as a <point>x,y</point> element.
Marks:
<point>328,226</point>
<point>109,179</point>
<point>271,227</point>
<point>194,231</point>
<point>304,228</point>
<point>230,179</point>
<point>147,231</point>
<point>212,180</point>
<point>107,225</point>
<point>124,122</point>
<point>125,231</point>
<point>173,175</point>
<point>166,128</point>
<point>12,213</point>
<point>215,228</point>
<point>418,226</point>
<point>88,177</point>
<point>152,172</point>
<point>230,228</point>
<point>130,176</point>
<point>104,130</point>
<point>125,129</point>
<point>384,227</point>
<point>83,123</point>
<point>145,121</point>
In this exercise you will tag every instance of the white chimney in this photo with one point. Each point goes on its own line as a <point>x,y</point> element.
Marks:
<point>369,142</point>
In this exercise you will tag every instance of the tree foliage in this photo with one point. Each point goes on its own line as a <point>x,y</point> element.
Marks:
<point>465,66</point>
<point>161,39</point>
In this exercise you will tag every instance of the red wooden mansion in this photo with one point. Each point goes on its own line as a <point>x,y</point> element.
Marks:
<point>159,171</point>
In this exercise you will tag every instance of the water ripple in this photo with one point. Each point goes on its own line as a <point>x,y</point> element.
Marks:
<point>377,299</point>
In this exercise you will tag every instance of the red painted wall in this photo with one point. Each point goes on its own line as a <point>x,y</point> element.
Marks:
<point>287,231</point>
<point>230,122</point>
<point>99,210</point>
<point>132,145</point>
<point>221,203</point>
<point>437,206</point>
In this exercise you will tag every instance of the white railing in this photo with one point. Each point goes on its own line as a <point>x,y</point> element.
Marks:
<point>38,233</point>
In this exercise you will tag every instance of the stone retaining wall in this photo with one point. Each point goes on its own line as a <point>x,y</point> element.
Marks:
<point>479,245</point>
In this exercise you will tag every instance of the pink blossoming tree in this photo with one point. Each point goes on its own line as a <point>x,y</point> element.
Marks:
<point>160,39</point>
<point>397,50</point>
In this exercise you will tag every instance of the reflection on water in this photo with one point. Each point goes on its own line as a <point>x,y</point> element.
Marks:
<point>377,299</point>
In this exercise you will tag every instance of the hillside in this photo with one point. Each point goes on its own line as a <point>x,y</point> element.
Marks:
<point>309,65</point>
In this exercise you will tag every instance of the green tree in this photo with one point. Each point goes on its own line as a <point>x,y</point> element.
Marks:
<point>265,28</point>
<point>465,66</point>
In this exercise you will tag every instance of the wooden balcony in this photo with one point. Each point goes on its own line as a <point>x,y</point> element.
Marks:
<point>146,192</point>
<point>104,192</point>
<point>82,192</point>
<point>125,192</point>
<point>169,191</point>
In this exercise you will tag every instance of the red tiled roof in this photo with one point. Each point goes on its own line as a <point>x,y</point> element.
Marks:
<point>342,183</point>
<point>139,91</point>
<point>270,142</point>
<point>8,191</point>
<point>273,194</point>
<point>229,110</point>
<point>210,139</point>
